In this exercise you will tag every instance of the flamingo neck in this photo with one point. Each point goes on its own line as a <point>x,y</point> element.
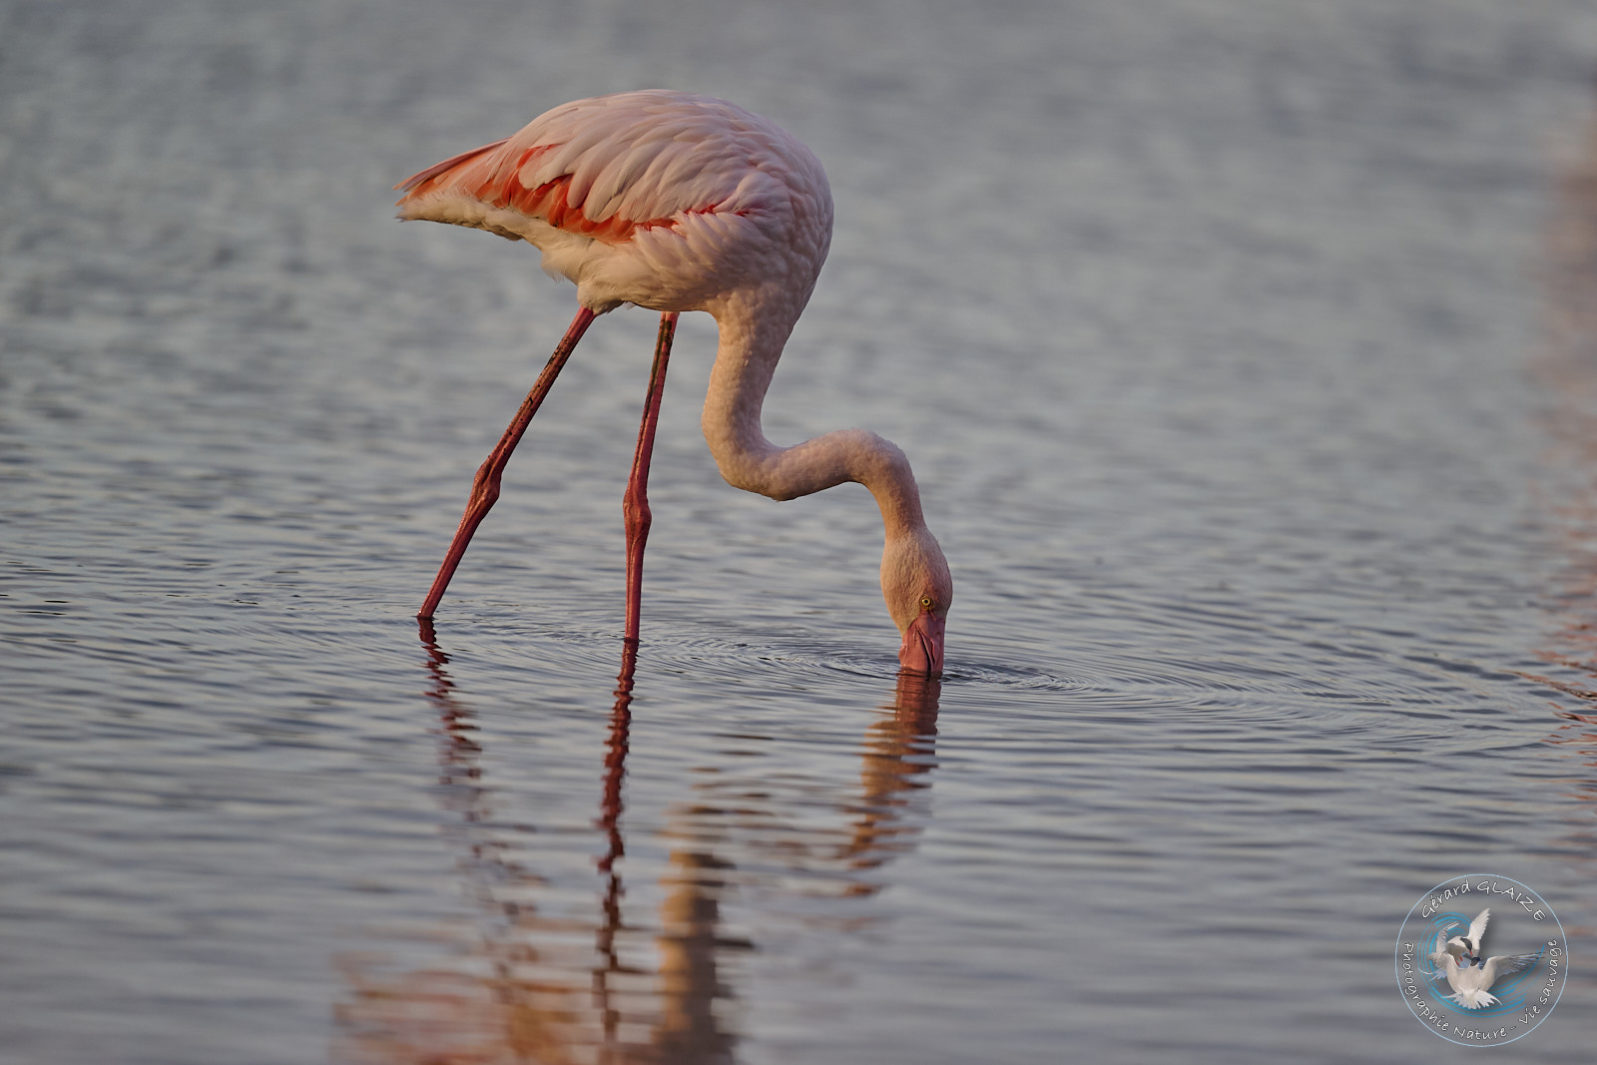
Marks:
<point>753,331</point>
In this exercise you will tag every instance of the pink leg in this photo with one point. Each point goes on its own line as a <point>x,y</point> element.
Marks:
<point>635,504</point>
<point>485,489</point>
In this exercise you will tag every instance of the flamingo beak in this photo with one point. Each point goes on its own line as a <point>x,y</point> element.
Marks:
<point>922,650</point>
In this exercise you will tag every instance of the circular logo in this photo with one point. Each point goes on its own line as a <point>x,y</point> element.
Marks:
<point>1481,960</point>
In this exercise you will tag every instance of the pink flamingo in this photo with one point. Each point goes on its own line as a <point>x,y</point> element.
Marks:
<point>676,203</point>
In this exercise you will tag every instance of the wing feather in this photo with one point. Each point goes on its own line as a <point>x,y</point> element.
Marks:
<point>595,168</point>
<point>454,162</point>
<point>657,198</point>
<point>1477,927</point>
<point>1506,964</point>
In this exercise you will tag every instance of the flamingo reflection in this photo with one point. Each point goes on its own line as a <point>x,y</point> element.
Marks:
<point>527,991</point>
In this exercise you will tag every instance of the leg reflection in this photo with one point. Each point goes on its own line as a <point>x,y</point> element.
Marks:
<point>519,992</point>
<point>524,988</point>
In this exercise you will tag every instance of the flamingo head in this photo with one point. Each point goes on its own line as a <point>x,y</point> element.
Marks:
<point>918,589</point>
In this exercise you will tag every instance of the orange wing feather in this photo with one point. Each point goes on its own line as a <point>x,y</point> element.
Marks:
<point>426,180</point>
<point>491,175</point>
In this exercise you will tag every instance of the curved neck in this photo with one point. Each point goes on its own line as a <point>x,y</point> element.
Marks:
<point>753,330</point>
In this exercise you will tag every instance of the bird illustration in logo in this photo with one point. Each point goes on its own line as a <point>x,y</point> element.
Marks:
<point>1470,942</point>
<point>1469,972</point>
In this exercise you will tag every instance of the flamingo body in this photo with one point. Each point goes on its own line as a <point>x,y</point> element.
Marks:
<point>660,199</point>
<point>676,202</point>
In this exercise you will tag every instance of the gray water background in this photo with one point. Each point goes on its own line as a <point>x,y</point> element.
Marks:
<point>1216,331</point>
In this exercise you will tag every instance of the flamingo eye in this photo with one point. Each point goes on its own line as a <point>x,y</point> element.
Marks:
<point>926,602</point>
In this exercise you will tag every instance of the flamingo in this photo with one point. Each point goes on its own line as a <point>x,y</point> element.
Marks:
<point>676,202</point>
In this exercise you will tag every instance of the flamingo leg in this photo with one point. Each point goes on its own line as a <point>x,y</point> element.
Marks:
<point>635,504</point>
<point>485,489</point>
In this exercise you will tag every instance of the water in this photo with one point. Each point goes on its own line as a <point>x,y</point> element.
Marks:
<point>1242,351</point>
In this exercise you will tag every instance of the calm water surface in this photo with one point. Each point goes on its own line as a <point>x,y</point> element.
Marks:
<point>1245,355</point>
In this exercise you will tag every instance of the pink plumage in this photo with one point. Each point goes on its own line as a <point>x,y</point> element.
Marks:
<point>676,203</point>
<point>661,199</point>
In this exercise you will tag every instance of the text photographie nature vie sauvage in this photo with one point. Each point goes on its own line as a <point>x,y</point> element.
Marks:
<point>676,203</point>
